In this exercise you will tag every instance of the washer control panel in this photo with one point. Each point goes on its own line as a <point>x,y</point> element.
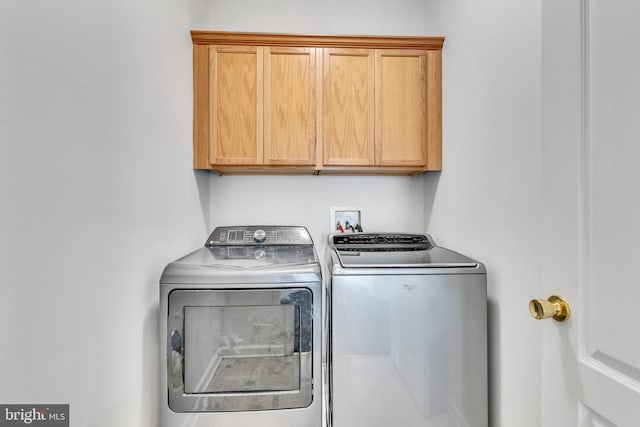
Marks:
<point>380,242</point>
<point>259,235</point>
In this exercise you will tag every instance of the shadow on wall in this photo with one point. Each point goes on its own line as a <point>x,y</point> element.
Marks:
<point>493,344</point>
<point>203,182</point>
<point>151,370</point>
<point>430,188</point>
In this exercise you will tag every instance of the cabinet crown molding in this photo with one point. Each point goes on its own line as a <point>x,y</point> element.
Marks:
<point>315,40</point>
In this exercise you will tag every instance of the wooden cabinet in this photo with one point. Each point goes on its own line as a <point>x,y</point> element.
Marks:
<point>322,104</point>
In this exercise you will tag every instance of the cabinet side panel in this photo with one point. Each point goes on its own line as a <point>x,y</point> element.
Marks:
<point>401,108</point>
<point>290,106</point>
<point>201,107</point>
<point>235,108</point>
<point>434,110</point>
<point>348,106</point>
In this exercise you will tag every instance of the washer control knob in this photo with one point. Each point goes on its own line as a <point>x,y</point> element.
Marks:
<point>259,236</point>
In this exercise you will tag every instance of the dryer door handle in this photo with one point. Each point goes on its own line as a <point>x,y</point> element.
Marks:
<point>176,341</point>
<point>175,362</point>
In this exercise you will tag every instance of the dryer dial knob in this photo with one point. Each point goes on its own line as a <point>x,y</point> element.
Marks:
<point>259,236</point>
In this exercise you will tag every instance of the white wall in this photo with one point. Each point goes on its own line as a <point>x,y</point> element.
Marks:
<point>97,195</point>
<point>487,200</point>
<point>386,203</point>
<point>377,17</point>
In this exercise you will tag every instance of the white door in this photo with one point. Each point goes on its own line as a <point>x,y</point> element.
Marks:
<point>591,186</point>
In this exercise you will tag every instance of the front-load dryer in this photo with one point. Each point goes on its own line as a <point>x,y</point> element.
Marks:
<point>240,331</point>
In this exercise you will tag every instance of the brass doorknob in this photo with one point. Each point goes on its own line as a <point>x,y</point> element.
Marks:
<point>555,307</point>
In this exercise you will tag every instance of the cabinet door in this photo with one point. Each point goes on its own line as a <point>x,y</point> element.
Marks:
<point>401,107</point>
<point>289,105</point>
<point>236,96</point>
<point>348,91</point>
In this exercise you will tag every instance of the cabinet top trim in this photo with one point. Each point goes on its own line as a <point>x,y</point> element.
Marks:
<point>312,40</point>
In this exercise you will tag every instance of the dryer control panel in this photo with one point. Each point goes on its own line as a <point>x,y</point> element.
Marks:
<point>255,235</point>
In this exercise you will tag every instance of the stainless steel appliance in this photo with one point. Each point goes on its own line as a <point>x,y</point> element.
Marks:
<point>240,328</point>
<point>408,343</point>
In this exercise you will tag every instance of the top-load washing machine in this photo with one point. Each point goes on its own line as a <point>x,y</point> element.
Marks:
<point>240,331</point>
<point>408,333</point>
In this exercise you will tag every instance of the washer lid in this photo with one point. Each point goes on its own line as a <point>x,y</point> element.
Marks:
<point>392,250</point>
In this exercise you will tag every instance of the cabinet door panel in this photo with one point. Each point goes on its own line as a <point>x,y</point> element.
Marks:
<point>236,105</point>
<point>348,106</point>
<point>290,105</point>
<point>401,107</point>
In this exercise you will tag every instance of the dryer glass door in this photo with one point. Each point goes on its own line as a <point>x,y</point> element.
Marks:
<point>237,350</point>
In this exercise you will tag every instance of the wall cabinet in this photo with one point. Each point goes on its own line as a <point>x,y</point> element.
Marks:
<point>272,103</point>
